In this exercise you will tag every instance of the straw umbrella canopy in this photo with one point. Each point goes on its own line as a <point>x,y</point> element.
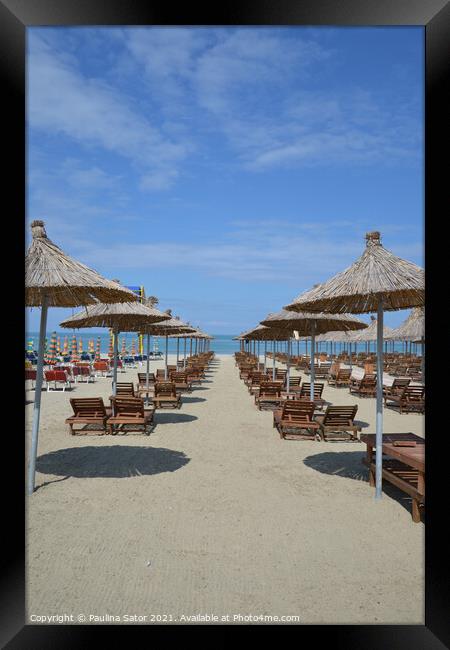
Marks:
<point>171,326</point>
<point>378,281</point>
<point>53,279</point>
<point>370,334</point>
<point>312,324</point>
<point>412,329</point>
<point>264,333</point>
<point>120,317</point>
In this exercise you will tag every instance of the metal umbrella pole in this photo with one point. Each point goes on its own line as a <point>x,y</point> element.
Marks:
<point>273,370</point>
<point>37,397</point>
<point>265,355</point>
<point>313,345</point>
<point>289,364</point>
<point>147,383</point>
<point>116,352</point>
<point>167,347</point>
<point>379,429</point>
<point>178,350</point>
<point>184,362</point>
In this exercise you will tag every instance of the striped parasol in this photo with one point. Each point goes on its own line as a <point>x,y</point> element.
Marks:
<point>65,347</point>
<point>98,349</point>
<point>111,344</point>
<point>91,346</point>
<point>58,346</point>
<point>51,357</point>
<point>133,347</point>
<point>80,346</point>
<point>124,349</point>
<point>74,349</point>
<point>30,345</point>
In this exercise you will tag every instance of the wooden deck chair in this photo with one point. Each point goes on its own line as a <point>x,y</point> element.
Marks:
<point>296,420</point>
<point>412,399</point>
<point>269,395</point>
<point>341,378</point>
<point>181,381</point>
<point>129,415</point>
<point>305,393</point>
<point>88,411</point>
<point>166,395</point>
<point>396,388</point>
<point>338,423</point>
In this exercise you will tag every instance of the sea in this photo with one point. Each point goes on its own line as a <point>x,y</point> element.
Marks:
<point>220,344</point>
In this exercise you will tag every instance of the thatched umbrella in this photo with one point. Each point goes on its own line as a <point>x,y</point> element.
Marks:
<point>53,279</point>
<point>376,282</point>
<point>263,333</point>
<point>120,317</point>
<point>170,326</point>
<point>413,330</point>
<point>312,324</point>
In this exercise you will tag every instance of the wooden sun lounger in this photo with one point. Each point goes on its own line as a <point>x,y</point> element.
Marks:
<point>398,385</point>
<point>181,381</point>
<point>412,398</point>
<point>88,411</point>
<point>338,423</point>
<point>295,420</point>
<point>341,378</point>
<point>305,393</point>
<point>129,412</point>
<point>366,387</point>
<point>166,394</point>
<point>269,395</point>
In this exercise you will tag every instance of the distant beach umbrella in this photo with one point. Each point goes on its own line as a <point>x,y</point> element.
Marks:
<point>312,324</point>
<point>91,346</point>
<point>124,348</point>
<point>65,346</point>
<point>98,349</point>
<point>58,346</point>
<point>378,281</point>
<point>80,346</point>
<point>30,345</point>
<point>133,347</point>
<point>111,344</point>
<point>412,329</point>
<point>53,279</point>
<point>124,317</point>
<point>51,356</point>
<point>74,355</point>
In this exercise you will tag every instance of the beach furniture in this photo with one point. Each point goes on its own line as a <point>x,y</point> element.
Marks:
<point>129,415</point>
<point>83,373</point>
<point>166,395</point>
<point>340,378</point>
<point>295,420</point>
<point>56,377</point>
<point>30,375</point>
<point>365,387</point>
<point>403,465</point>
<point>411,399</point>
<point>338,423</point>
<point>101,368</point>
<point>269,395</point>
<point>88,411</point>
<point>125,388</point>
<point>305,393</point>
<point>142,382</point>
<point>396,388</point>
<point>181,381</point>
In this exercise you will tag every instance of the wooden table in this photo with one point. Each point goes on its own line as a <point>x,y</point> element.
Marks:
<point>402,466</point>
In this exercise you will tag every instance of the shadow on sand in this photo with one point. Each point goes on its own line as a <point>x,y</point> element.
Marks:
<point>191,400</point>
<point>348,464</point>
<point>173,417</point>
<point>117,461</point>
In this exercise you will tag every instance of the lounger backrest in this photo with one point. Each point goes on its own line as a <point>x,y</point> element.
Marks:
<point>270,388</point>
<point>400,382</point>
<point>414,393</point>
<point>49,375</point>
<point>131,406</point>
<point>165,389</point>
<point>125,388</point>
<point>306,389</point>
<point>142,378</point>
<point>298,410</point>
<point>344,373</point>
<point>338,415</point>
<point>30,374</point>
<point>88,406</point>
<point>295,381</point>
<point>61,375</point>
<point>101,365</point>
<point>160,372</point>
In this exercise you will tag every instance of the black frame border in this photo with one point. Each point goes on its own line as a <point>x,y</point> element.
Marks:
<point>434,15</point>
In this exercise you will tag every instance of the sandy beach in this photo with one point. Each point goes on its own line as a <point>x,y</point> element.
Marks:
<point>214,514</point>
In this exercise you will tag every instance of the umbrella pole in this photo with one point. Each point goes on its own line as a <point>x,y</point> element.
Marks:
<point>379,429</point>
<point>313,345</point>
<point>288,365</point>
<point>265,355</point>
<point>37,396</point>
<point>273,369</point>
<point>147,383</point>
<point>167,346</point>
<point>184,361</point>
<point>116,336</point>
<point>178,350</point>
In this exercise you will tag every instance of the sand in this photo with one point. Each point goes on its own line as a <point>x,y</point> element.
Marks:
<point>214,515</point>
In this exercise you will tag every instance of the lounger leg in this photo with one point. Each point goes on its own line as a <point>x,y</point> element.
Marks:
<point>371,478</point>
<point>415,511</point>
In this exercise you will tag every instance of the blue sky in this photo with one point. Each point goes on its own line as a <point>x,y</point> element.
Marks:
<point>225,169</point>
